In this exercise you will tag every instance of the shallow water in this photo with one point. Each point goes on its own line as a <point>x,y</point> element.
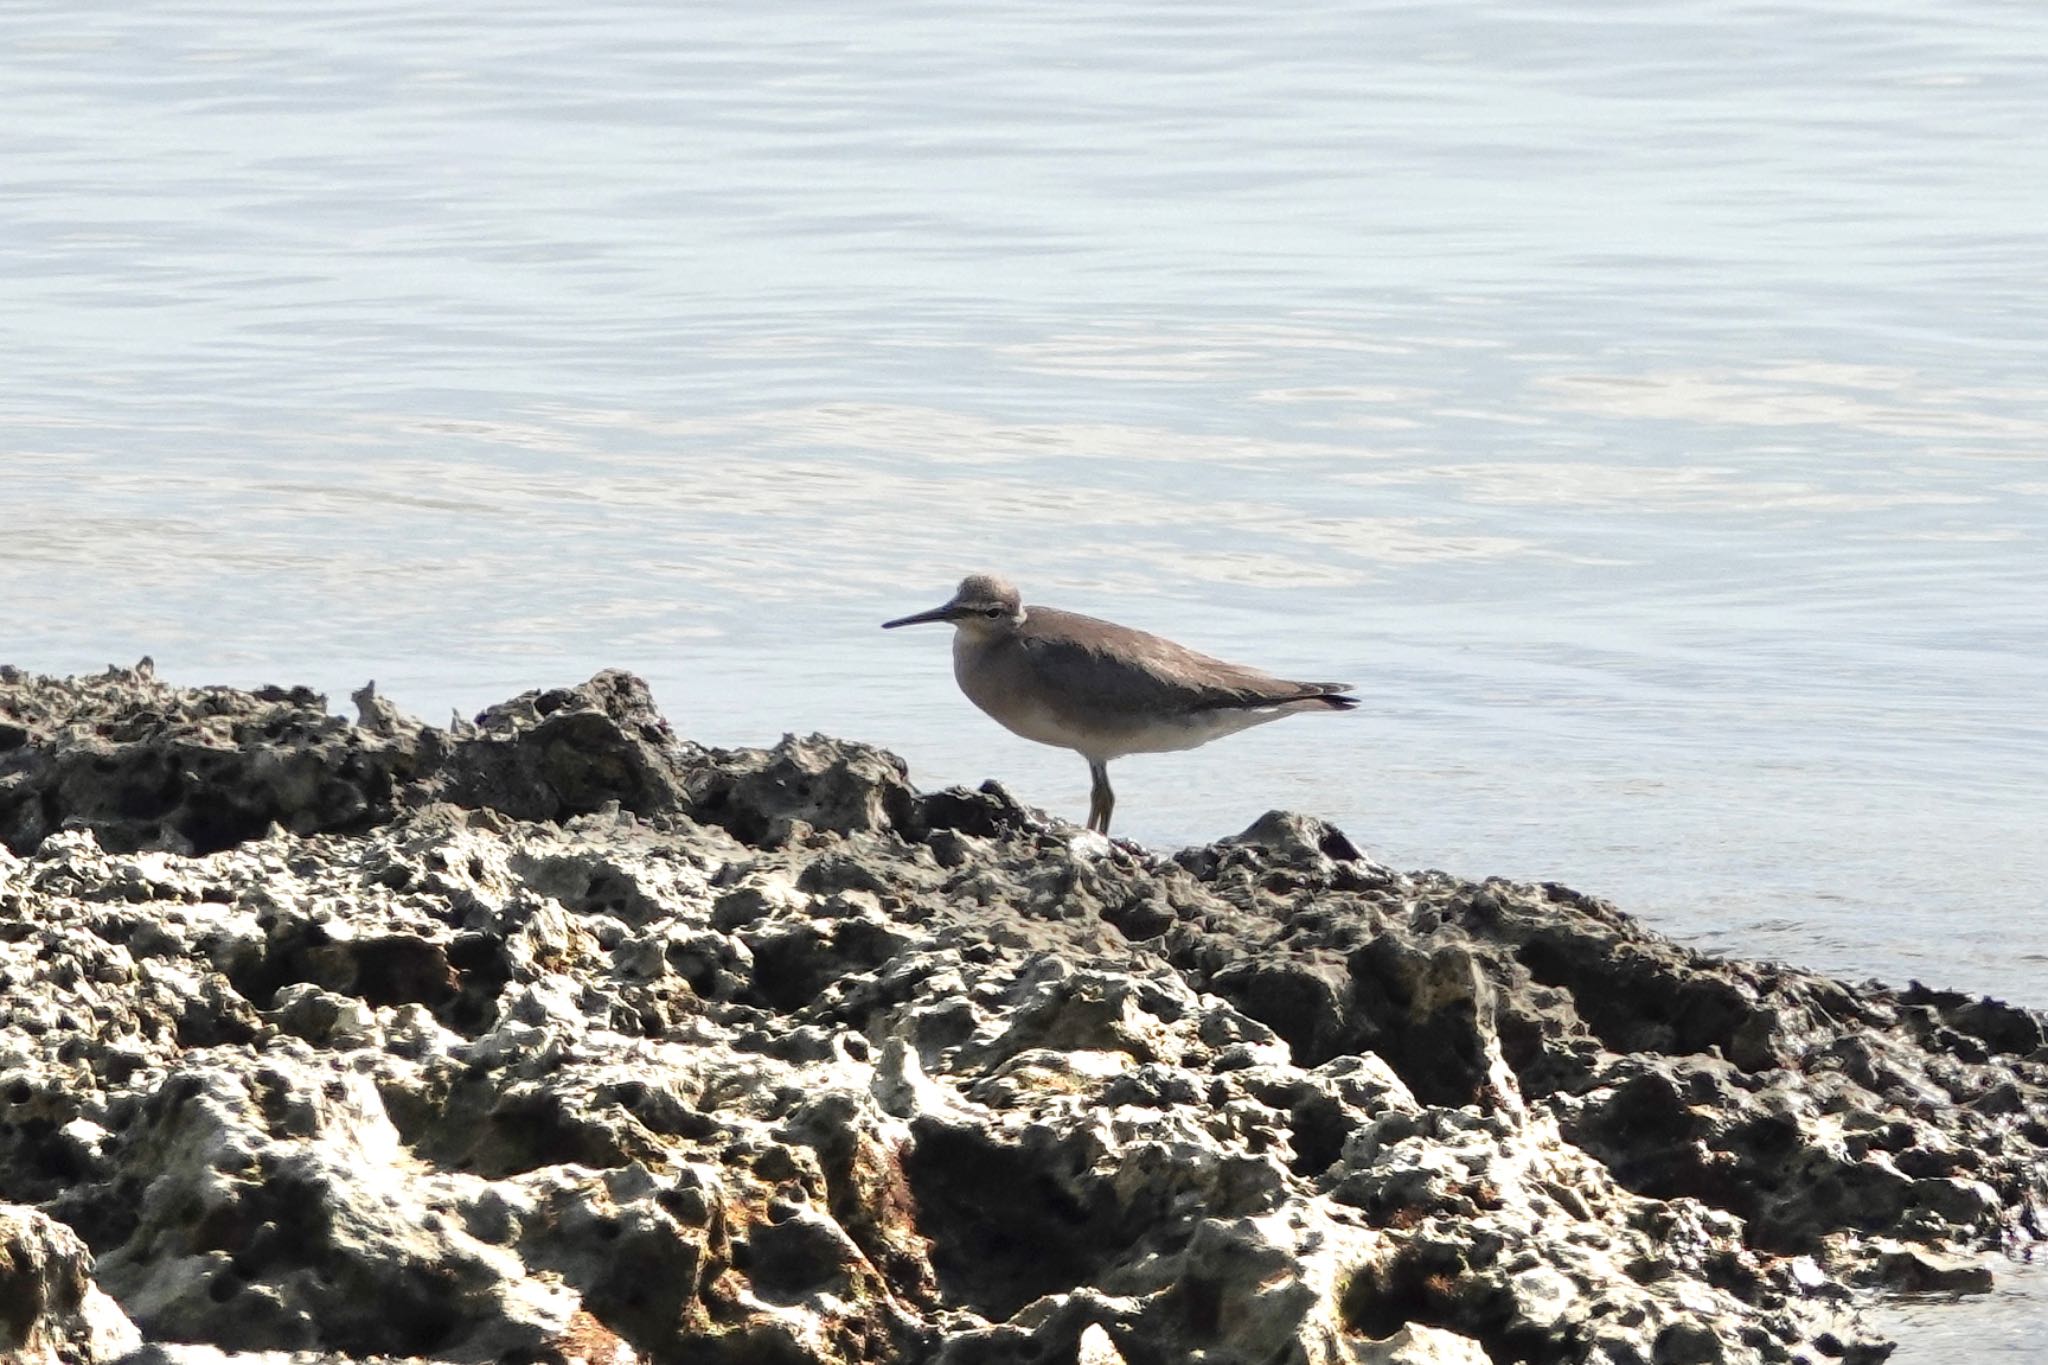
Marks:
<point>1643,404</point>
<point>2008,1326</point>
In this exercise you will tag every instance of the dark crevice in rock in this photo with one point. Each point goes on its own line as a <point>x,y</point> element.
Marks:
<point>1431,1284</point>
<point>1004,1230</point>
<point>792,969</point>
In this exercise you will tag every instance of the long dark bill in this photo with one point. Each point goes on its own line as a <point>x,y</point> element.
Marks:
<point>944,613</point>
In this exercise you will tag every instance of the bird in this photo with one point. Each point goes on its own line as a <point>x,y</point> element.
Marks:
<point>1101,689</point>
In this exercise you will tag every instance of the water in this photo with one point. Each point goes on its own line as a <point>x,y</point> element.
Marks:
<point>1643,402</point>
<point>2008,1326</point>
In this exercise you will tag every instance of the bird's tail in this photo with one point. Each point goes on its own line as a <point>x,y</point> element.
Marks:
<point>1335,696</point>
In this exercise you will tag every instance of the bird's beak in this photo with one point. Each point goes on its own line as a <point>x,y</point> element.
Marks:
<point>946,613</point>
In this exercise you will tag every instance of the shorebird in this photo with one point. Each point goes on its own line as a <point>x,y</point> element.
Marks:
<point>1101,689</point>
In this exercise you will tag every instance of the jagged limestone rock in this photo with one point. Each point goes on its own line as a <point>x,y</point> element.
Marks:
<point>51,1311</point>
<point>555,1038</point>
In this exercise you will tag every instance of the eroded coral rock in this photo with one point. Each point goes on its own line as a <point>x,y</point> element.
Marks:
<point>148,765</point>
<point>51,1311</point>
<point>562,1039</point>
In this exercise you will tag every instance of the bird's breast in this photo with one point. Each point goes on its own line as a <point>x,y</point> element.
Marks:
<point>1000,682</point>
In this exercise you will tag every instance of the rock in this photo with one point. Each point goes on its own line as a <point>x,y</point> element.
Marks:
<point>801,786</point>
<point>1096,1348</point>
<point>147,765</point>
<point>559,753</point>
<point>1416,1344</point>
<point>562,1038</point>
<point>1919,1270</point>
<point>51,1312</point>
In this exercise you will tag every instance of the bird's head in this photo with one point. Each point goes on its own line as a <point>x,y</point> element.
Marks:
<point>983,604</point>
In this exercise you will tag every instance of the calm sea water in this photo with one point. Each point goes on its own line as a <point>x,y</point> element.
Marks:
<point>1643,403</point>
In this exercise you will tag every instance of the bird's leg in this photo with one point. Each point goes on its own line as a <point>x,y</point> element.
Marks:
<point>1101,800</point>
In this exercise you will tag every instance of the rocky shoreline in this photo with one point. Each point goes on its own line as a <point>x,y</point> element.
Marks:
<point>554,1037</point>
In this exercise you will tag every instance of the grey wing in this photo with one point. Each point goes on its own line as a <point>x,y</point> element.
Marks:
<point>1134,673</point>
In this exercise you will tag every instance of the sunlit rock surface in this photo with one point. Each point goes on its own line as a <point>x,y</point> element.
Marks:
<point>553,1037</point>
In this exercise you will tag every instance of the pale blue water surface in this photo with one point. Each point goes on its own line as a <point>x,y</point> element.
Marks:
<point>1645,404</point>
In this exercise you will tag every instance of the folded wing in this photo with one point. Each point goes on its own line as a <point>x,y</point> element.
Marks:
<point>1140,674</point>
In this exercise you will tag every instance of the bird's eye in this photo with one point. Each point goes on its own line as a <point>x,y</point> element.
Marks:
<point>991,612</point>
